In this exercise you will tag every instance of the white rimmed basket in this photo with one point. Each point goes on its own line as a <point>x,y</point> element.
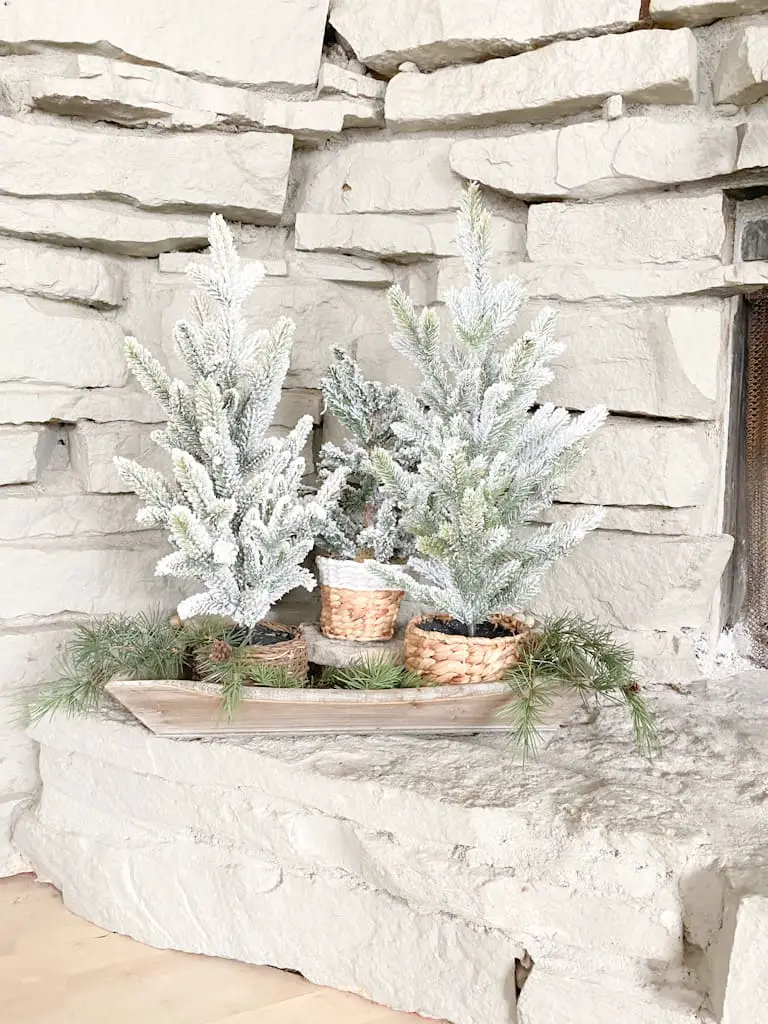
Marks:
<point>353,603</point>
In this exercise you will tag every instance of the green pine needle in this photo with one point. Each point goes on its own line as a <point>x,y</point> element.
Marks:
<point>371,673</point>
<point>580,655</point>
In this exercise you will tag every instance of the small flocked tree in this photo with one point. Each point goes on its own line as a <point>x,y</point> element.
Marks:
<point>364,521</point>
<point>489,458</point>
<point>233,510</point>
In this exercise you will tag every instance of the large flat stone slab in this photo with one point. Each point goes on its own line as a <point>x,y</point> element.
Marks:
<point>49,342</point>
<point>439,32</point>
<point>18,454</point>
<point>654,229</point>
<point>243,176</point>
<point>564,78</point>
<point>599,158</point>
<point>229,42</point>
<point>741,76</point>
<point>45,271</point>
<point>442,856</point>
<point>699,12</point>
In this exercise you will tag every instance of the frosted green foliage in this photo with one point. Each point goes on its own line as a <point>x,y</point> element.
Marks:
<point>364,521</point>
<point>233,510</point>
<point>490,459</point>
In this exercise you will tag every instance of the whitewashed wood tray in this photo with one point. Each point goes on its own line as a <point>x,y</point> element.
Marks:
<point>193,709</point>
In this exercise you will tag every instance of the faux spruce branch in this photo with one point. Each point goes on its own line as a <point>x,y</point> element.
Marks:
<point>490,459</point>
<point>234,511</point>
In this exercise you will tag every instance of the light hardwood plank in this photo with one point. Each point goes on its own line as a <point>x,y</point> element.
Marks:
<point>56,968</point>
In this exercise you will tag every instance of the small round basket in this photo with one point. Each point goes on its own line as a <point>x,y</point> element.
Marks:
<point>353,603</point>
<point>289,654</point>
<point>452,659</point>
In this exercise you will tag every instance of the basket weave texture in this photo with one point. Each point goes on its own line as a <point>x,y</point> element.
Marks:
<point>290,654</point>
<point>353,604</point>
<point>449,658</point>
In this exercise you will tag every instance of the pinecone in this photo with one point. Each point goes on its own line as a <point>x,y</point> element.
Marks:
<point>220,651</point>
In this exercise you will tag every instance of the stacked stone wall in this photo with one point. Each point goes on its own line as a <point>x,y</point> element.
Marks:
<point>615,144</point>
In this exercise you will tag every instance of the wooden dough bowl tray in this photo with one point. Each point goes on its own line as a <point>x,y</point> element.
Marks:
<point>191,709</point>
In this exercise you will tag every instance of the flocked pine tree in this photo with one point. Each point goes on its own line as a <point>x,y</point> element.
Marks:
<point>490,458</point>
<point>364,521</point>
<point>234,510</point>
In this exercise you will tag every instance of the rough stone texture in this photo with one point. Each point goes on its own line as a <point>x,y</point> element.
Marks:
<point>135,94</point>
<point>18,454</point>
<point>11,861</point>
<point>659,360</point>
<point>93,446</point>
<point>689,521</point>
<point>699,12</point>
<point>50,343</point>
<point>741,76</point>
<point>629,462</point>
<point>242,176</point>
<point>330,267</point>
<point>57,515</point>
<point>333,81</point>
<point>98,224</point>
<point>271,43</point>
<point>380,176</point>
<point>35,403</point>
<point>441,32</point>
<point>659,229</point>
<point>638,582</point>
<point>41,270</point>
<point>754,146</point>
<point>746,997</point>
<point>393,236</point>
<point>599,158</point>
<point>91,578</point>
<point>646,67</point>
<point>442,857</point>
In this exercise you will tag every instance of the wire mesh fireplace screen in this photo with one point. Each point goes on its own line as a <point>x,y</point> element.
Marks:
<point>757,475</point>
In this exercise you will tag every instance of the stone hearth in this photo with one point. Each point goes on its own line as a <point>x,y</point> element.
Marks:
<point>425,874</point>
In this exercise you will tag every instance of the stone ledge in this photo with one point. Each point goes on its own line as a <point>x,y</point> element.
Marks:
<point>443,858</point>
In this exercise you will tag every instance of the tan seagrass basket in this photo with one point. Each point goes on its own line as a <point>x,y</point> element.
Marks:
<point>290,654</point>
<point>353,603</point>
<point>448,658</point>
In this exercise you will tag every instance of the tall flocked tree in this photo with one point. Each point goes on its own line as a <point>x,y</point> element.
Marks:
<point>234,510</point>
<point>365,521</point>
<point>490,459</point>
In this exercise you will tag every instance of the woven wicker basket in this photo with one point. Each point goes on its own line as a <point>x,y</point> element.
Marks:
<point>353,603</point>
<point>290,654</point>
<point>449,658</point>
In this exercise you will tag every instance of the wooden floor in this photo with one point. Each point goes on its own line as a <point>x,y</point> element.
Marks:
<point>56,968</point>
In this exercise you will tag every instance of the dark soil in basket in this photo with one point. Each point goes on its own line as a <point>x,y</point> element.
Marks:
<point>260,636</point>
<point>485,630</point>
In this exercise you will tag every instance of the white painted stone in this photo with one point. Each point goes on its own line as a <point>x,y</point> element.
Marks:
<point>57,515</point>
<point>659,360</point>
<point>18,454</point>
<point>392,235</point>
<point>330,267</point>
<point>754,145</point>
<point>564,78</point>
<point>598,158</point>
<point>271,43</point>
<point>52,343</point>
<point>243,176</point>
<point>688,521</point>
<point>41,270</point>
<point>746,996</point>
<point>635,462</point>
<point>699,12</point>
<point>98,224</point>
<point>637,582</point>
<point>37,403</point>
<point>135,94</point>
<point>85,577</point>
<point>434,33</point>
<point>11,861</point>
<point>178,262</point>
<point>657,229</point>
<point>333,81</point>
<point>379,176</point>
<point>741,76</point>
<point>587,871</point>
<point>613,107</point>
<point>93,446</point>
